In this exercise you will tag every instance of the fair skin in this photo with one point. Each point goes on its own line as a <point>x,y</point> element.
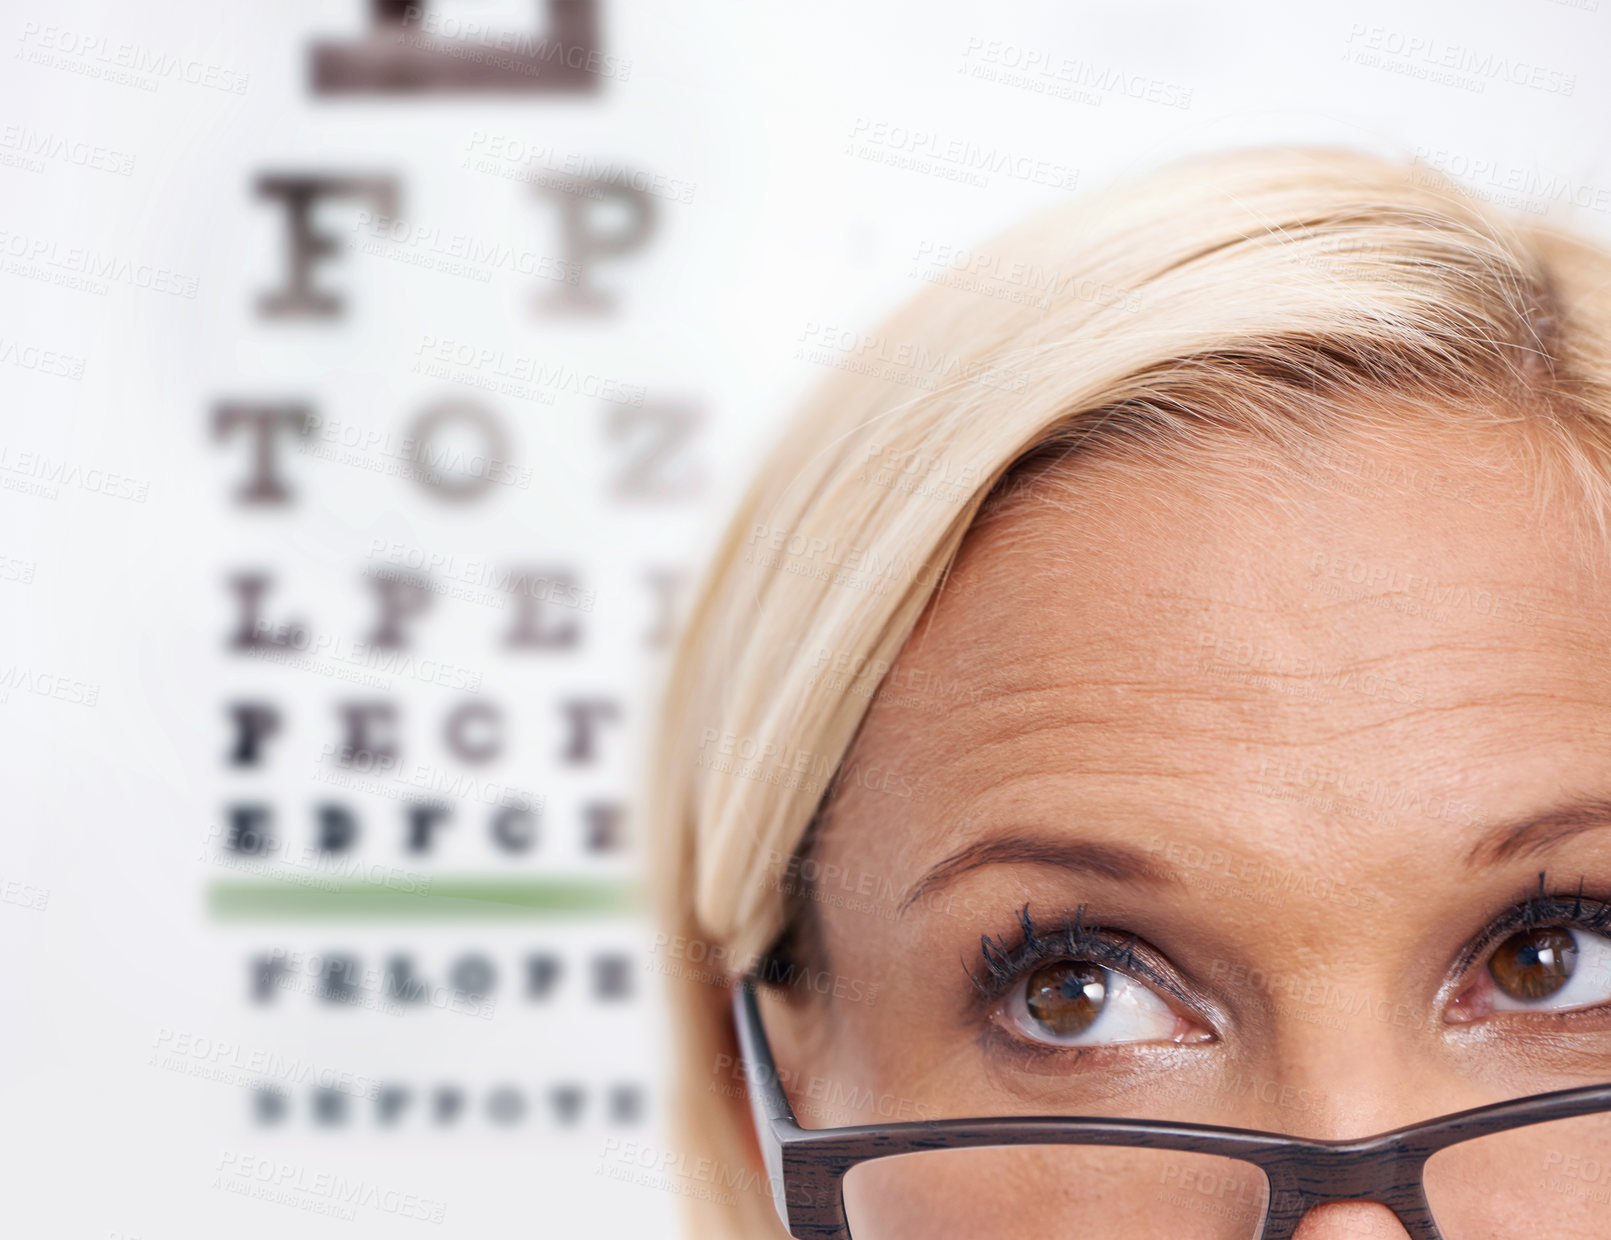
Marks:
<point>1300,793</point>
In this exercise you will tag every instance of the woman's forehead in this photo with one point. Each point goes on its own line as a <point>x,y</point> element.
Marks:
<point>1426,624</point>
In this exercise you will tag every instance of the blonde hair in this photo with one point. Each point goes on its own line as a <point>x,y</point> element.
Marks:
<point>1235,295</point>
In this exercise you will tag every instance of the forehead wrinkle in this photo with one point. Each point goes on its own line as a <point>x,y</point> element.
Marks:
<point>973,733</point>
<point>1110,631</point>
<point>1209,737</point>
<point>1086,672</point>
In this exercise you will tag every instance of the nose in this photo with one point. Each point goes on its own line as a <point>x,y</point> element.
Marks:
<point>1350,1220</point>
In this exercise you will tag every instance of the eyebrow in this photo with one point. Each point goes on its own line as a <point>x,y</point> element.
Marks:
<point>1523,837</point>
<point>1086,856</point>
<point>1540,832</point>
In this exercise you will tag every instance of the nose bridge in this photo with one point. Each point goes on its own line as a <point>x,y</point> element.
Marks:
<point>1331,1090</point>
<point>1343,1047</point>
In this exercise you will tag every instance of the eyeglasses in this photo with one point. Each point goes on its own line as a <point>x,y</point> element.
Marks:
<point>1535,1168</point>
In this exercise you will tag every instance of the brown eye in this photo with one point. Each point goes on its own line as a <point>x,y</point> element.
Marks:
<point>1067,996</point>
<point>1535,963</point>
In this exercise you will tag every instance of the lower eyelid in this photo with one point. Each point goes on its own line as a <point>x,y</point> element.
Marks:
<point>1548,1023</point>
<point>1110,1059</point>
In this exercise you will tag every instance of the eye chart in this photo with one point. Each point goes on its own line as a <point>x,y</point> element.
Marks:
<point>388,573</point>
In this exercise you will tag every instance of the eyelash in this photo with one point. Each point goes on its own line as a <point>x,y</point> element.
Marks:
<point>1005,964</point>
<point>1575,911</point>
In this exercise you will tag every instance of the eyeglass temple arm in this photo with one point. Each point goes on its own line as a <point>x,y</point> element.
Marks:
<point>769,1105</point>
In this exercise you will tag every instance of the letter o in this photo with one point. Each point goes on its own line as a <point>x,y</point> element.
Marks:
<point>462,487</point>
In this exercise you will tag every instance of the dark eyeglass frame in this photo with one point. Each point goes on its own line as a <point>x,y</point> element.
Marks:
<point>806,1167</point>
